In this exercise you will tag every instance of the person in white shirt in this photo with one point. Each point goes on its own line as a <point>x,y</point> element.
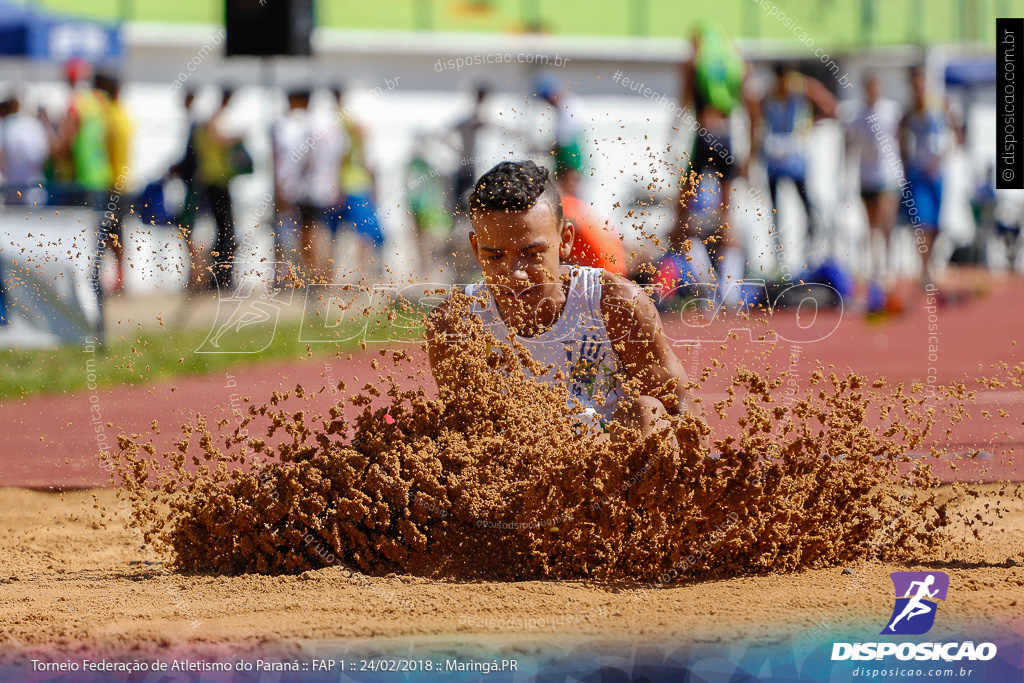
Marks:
<point>307,157</point>
<point>24,148</point>
<point>873,131</point>
<point>321,171</point>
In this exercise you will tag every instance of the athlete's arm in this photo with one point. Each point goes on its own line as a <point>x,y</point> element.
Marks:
<point>634,328</point>
<point>437,335</point>
<point>441,347</point>
<point>820,96</point>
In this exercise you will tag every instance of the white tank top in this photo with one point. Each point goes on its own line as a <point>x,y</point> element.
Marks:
<point>577,343</point>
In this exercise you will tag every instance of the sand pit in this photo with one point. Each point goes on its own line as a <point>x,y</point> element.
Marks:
<point>495,479</point>
<point>385,529</point>
<point>417,520</point>
<point>72,583</point>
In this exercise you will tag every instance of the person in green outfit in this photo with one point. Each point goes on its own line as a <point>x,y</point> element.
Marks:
<point>80,150</point>
<point>568,147</point>
<point>82,137</point>
<point>426,202</point>
<point>716,84</point>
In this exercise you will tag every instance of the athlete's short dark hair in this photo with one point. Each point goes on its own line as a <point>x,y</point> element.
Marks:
<point>513,187</point>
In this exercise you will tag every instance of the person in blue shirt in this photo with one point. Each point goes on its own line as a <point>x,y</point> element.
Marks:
<point>926,137</point>
<point>787,115</point>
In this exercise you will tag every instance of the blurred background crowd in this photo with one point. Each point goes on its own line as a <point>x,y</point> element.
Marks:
<point>731,145</point>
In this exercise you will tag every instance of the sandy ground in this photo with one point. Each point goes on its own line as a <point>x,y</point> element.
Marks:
<point>72,583</point>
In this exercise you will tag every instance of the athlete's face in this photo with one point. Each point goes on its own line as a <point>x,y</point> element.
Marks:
<point>520,252</point>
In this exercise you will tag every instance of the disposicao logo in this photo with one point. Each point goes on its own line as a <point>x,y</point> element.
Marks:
<point>914,612</point>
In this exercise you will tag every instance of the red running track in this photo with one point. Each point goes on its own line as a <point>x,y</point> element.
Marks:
<point>51,441</point>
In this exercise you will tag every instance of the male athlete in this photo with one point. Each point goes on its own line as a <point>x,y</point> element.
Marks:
<point>599,329</point>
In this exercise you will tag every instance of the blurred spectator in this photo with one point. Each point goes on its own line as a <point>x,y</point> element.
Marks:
<point>215,171</point>
<point>187,169</point>
<point>358,203</point>
<point>926,136</point>
<point>426,201</point>
<point>288,134</point>
<point>999,214</point>
<point>466,133</point>
<point>307,158</point>
<point>597,242</point>
<point>464,138</point>
<point>570,118</point>
<point>786,117</point>
<point>715,83</point>
<point>119,138</point>
<point>82,137</point>
<point>24,148</point>
<point>870,127</point>
<point>320,187</point>
<point>80,158</point>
